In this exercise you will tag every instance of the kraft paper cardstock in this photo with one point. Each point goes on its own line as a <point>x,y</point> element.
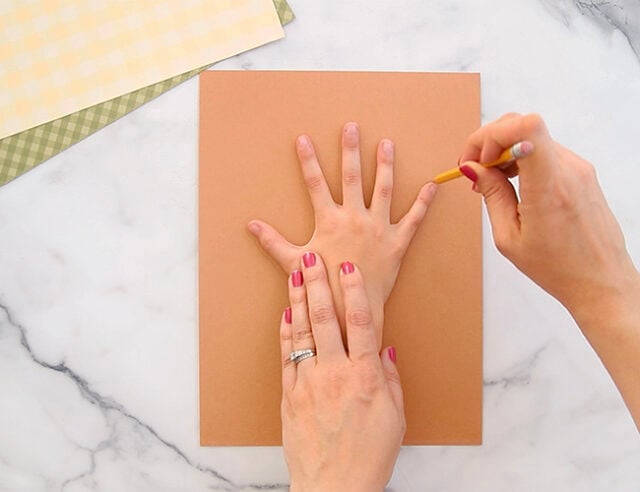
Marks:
<point>248,169</point>
<point>59,57</point>
<point>23,151</point>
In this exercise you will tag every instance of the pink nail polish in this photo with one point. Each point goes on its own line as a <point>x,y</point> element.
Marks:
<point>296,278</point>
<point>469,173</point>
<point>392,354</point>
<point>347,267</point>
<point>309,259</point>
<point>287,315</point>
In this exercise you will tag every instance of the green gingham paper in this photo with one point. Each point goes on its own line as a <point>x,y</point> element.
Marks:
<point>25,150</point>
<point>284,11</point>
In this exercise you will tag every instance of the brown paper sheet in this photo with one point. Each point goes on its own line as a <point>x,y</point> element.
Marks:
<point>248,169</point>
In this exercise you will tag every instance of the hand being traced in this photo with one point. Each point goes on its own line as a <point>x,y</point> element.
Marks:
<point>351,230</point>
<point>342,410</point>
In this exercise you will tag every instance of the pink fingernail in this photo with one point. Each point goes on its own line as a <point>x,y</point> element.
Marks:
<point>351,130</point>
<point>254,227</point>
<point>309,259</point>
<point>296,278</point>
<point>392,354</point>
<point>387,147</point>
<point>303,141</point>
<point>287,315</point>
<point>347,267</point>
<point>469,173</point>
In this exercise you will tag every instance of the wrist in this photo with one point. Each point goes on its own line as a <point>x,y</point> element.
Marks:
<point>608,304</point>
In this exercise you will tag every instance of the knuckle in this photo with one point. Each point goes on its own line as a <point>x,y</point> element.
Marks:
<point>353,282</point>
<point>370,381</point>
<point>359,317</point>
<point>504,243</point>
<point>286,333</point>
<point>492,190</point>
<point>351,177</point>
<point>586,171</point>
<point>314,275</point>
<point>501,245</point>
<point>321,314</point>
<point>297,297</point>
<point>300,401</point>
<point>302,334</point>
<point>332,386</point>
<point>399,247</point>
<point>314,183</point>
<point>328,220</point>
<point>335,377</point>
<point>286,361</point>
<point>385,191</point>
<point>533,123</point>
<point>267,241</point>
<point>413,222</point>
<point>359,224</point>
<point>562,196</point>
<point>510,115</point>
<point>394,377</point>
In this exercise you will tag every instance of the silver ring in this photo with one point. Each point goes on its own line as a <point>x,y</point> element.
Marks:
<point>298,356</point>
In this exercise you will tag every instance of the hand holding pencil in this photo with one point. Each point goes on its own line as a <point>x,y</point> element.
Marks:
<point>516,151</point>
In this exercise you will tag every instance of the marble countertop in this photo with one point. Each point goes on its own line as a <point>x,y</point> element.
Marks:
<point>98,268</point>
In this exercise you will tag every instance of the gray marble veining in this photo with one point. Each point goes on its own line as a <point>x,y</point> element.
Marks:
<point>98,269</point>
<point>623,15</point>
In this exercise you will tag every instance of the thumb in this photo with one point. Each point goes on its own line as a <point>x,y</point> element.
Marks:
<point>274,244</point>
<point>388,357</point>
<point>501,200</point>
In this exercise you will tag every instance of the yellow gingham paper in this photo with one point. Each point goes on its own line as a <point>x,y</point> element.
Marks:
<point>61,56</point>
<point>23,151</point>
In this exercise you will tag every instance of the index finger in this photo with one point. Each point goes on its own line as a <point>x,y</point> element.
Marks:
<point>361,334</point>
<point>317,187</point>
<point>322,313</point>
<point>487,143</point>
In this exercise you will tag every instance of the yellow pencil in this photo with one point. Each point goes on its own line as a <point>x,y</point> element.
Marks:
<point>517,151</point>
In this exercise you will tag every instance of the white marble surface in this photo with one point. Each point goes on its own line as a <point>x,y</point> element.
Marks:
<point>98,262</point>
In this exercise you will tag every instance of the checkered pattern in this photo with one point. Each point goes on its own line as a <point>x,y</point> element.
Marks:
<point>57,57</point>
<point>25,150</point>
<point>284,11</point>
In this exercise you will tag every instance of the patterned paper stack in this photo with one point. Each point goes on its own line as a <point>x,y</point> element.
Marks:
<point>20,152</point>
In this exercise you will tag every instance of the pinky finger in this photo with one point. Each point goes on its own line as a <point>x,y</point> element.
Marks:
<point>409,224</point>
<point>286,347</point>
